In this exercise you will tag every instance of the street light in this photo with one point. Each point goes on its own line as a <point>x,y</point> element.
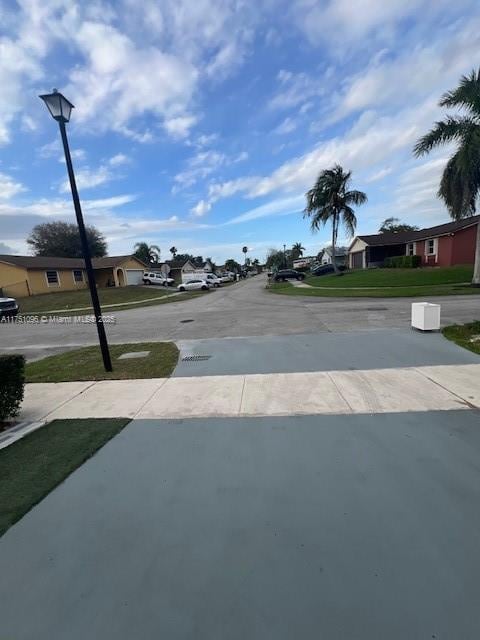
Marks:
<point>60,109</point>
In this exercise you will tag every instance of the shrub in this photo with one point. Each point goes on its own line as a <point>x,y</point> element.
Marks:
<point>12,382</point>
<point>403,262</point>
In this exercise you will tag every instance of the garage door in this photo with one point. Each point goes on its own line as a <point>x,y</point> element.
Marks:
<point>134,276</point>
<point>357,260</point>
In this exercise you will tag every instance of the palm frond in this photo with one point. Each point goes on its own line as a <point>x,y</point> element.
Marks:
<point>349,220</point>
<point>453,128</point>
<point>466,95</point>
<point>355,197</point>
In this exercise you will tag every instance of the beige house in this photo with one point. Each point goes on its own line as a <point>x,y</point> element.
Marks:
<point>22,276</point>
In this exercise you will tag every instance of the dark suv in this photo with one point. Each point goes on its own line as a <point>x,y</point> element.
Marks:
<point>288,274</point>
<point>8,307</point>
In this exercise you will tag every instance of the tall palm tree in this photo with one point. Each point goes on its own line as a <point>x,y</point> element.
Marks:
<point>147,253</point>
<point>460,182</point>
<point>297,250</point>
<point>331,200</point>
<point>173,251</point>
<point>245,250</point>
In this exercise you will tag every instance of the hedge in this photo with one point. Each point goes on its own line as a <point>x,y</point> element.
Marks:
<point>403,262</point>
<point>12,382</point>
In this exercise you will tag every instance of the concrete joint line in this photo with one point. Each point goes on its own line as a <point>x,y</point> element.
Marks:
<point>62,404</point>
<point>240,408</point>
<point>160,386</point>
<point>470,405</point>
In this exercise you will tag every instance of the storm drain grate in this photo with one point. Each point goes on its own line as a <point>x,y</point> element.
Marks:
<point>187,320</point>
<point>376,308</point>
<point>195,358</point>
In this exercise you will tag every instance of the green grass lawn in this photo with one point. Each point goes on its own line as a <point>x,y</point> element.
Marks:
<point>33,466</point>
<point>86,364</point>
<point>286,288</point>
<point>462,335</point>
<point>131,297</point>
<point>428,276</point>
<point>385,283</point>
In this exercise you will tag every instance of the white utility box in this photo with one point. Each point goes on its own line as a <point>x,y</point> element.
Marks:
<point>426,316</point>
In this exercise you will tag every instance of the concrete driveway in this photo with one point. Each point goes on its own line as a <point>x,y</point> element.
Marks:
<point>349,527</point>
<point>243,309</point>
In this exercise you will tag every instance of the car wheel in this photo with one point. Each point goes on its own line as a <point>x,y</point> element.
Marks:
<point>147,282</point>
<point>165,284</point>
<point>204,287</point>
<point>181,288</point>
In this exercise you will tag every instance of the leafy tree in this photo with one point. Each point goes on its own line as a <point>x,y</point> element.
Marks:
<point>150,254</point>
<point>297,250</point>
<point>232,265</point>
<point>198,261</point>
<point>393,225</point>
<point>275,259</point>
<point>62,240</point>
<point>460,182</point>
<point>331,200</point>
<point>183,257</point>
<point>173,251</point>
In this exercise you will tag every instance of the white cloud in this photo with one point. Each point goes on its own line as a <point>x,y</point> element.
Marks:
<point>379,175</point>
<point>286,126</point>
<point>201,208</point>
<point>9,187</point>
<point>179,127</point>
<point>88,178</point>
<point>296,89</point>
<point>279,207</point>
<point>204,164</point>
<point>118,159</point>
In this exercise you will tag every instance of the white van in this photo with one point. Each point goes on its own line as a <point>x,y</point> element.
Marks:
<point>211,278</point>
<point>153,277</point>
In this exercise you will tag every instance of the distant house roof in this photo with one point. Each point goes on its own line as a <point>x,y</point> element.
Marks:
<point>402,237</point>
<point>177,264</point>
<point>51,262</point>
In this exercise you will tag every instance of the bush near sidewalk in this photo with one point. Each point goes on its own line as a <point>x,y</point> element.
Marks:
<point>12,383</point>
<point>403,262</point>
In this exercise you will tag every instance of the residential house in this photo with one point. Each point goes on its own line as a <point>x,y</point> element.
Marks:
<point>444,245</point>
<point>341,254</point>
<point>179,268</point>
<point>22,276</point>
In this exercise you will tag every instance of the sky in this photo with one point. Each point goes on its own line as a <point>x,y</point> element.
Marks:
<point>202,124</point>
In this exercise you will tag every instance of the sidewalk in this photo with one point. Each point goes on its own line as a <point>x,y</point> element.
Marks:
<point>429,388</point>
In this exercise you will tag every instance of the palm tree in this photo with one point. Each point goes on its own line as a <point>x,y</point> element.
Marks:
<point>330,200</point>
<point>173,251</point>
<point>147,253</point>
<point>297,250</point>
<point>460,182</point>
<point>245,249</point>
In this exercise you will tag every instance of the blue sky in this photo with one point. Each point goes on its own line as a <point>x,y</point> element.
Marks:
<point>202,124</point>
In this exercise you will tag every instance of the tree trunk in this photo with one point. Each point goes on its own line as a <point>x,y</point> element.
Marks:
<point>334,242</point>
<point>476,268</point>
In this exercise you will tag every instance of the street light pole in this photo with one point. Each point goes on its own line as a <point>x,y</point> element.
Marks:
<point>284,256</point>
<point>61,112</point>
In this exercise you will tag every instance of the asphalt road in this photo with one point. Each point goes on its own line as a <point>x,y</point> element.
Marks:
<point>243,309</point>
<point>340,527</point>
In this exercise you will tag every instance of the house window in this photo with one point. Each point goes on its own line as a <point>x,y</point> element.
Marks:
<point>430,247</point>
<point>77,275</point>
<point>52,278</point>
<point>411,249</point>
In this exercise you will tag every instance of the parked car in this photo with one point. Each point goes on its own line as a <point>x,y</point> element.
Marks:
<point>151,277</point>
<point>288,274</point>
<point>214,280</point>
<point>8,307</point>
<point>325,269</point>
<point>192,285</point>
<point>224,277</point>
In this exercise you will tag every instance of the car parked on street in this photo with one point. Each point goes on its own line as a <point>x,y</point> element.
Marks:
<point>193,285</point>
<point>152,277</point>
<point>288,274</point>
<point>8,307</point>
<point>214,280</point>
<point>325,270</point>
